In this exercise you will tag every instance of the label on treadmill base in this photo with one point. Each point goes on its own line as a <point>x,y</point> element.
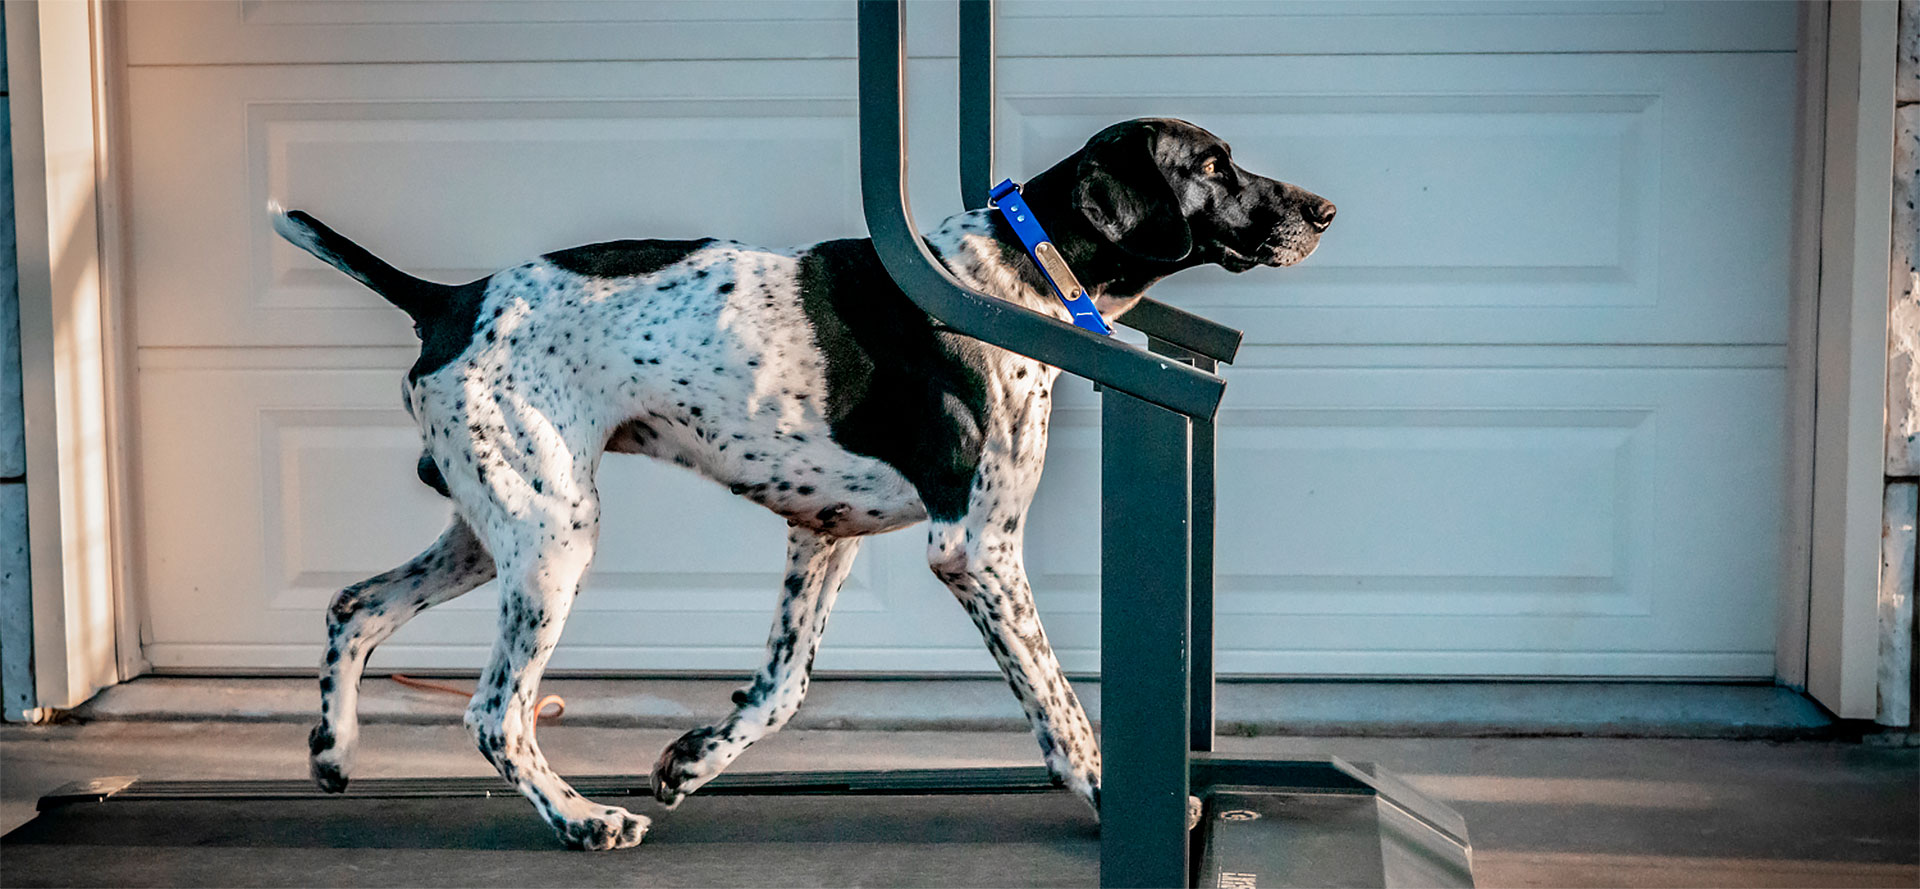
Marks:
<point>1275,840</point>
<point>1268,839</point>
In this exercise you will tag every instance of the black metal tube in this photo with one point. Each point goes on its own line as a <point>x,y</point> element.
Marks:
<point>1200,668</point>
<point>1184,329</point>
<point>1145,576</point>
<point>977,91</point>
<point>883,181</point>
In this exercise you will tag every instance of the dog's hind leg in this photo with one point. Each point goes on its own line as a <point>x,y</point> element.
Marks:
<point>816,567</point>
<point>366,614</point>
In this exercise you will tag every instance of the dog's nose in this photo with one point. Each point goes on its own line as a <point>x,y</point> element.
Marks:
<point>1319,213</point>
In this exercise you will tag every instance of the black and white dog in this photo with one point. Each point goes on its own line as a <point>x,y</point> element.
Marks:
<point>801,379</point>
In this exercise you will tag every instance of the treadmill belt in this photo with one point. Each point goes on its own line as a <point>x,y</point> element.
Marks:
<point>1268,824</point>
<point>1026,839</point>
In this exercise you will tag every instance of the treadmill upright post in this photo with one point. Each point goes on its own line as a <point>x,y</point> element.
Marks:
<point>1144,578</point>
<point>1201,675</point>
<point>977,90</point>
<point>1200,702</point>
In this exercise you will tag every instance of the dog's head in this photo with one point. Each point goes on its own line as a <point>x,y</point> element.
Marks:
<point>1168,193</point>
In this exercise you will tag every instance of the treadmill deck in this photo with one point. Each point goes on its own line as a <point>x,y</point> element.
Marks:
<point>1336,825</point>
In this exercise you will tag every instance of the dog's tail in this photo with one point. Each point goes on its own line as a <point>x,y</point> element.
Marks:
<point>417,297</point>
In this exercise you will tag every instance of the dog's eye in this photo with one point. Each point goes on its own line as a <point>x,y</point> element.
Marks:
<point>1208,168</point>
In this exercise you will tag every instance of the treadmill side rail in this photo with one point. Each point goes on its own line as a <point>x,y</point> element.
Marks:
<point>92,790</point>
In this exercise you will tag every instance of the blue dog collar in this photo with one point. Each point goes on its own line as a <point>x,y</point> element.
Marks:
<point>1005,197</point>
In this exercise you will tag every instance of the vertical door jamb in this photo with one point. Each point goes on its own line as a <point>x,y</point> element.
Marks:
<point>1856,227</point>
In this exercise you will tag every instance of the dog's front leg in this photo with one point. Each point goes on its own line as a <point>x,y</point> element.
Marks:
<point>816,567</point>
<point>543,554</point>
<point>981,562</point>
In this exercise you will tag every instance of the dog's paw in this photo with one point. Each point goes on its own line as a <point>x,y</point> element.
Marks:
<point>607,827</point>
<point>681,767</point>
<point>1085,783</point>
<point>328,759</point>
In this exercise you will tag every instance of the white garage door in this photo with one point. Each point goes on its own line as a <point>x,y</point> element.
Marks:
<point>1520,416</point>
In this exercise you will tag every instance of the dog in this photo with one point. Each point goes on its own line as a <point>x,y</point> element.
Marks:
<point>803,380</point>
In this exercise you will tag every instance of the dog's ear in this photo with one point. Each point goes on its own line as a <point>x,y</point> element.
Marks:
<point>1123,192</point>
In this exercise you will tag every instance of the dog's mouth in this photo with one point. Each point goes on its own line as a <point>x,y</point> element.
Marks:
<point>1274,254</point>
<point>1287,243</point>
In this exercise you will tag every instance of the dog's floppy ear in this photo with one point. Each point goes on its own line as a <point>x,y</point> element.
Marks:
<point>1122,191</point>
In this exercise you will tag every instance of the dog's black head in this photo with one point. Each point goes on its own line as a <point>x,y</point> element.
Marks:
<point>1159,195</point>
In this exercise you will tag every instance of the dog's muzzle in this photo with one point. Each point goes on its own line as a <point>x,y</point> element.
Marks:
<point>1296,238</point>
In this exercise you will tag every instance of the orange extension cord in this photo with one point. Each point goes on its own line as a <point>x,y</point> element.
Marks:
<point>557,703</point>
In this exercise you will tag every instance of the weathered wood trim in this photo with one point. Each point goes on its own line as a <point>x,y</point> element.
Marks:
<point>109,79</point>
<point>1851,358</point>
<point>1790,623</point>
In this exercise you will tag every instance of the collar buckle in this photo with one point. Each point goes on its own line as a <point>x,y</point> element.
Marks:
<point>1006,198</point>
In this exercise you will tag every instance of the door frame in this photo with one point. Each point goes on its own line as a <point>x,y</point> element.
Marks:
<point>77,365</point>
<point>67,206</point>
<point>1847,348</point>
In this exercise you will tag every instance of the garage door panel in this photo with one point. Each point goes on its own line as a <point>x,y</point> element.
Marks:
<point>1425,658</point>
<point>446,186</point>
<point>187,32</point>
<point>1497,195</point>
<point>1482,199</point>
<point>199,32</point>
<point>486,162</point>
<point>1567,508</point>
<point>1259,27</point>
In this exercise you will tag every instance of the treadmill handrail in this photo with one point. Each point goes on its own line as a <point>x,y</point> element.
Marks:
<point>883,172</point>
<point>1184,329</point>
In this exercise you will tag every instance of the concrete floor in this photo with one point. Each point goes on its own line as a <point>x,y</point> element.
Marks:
<point>1541,811</point>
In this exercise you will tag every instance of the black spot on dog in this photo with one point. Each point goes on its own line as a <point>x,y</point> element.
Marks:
<point>446,327</point>
<point>624,259</point>
<point>897,390</point>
